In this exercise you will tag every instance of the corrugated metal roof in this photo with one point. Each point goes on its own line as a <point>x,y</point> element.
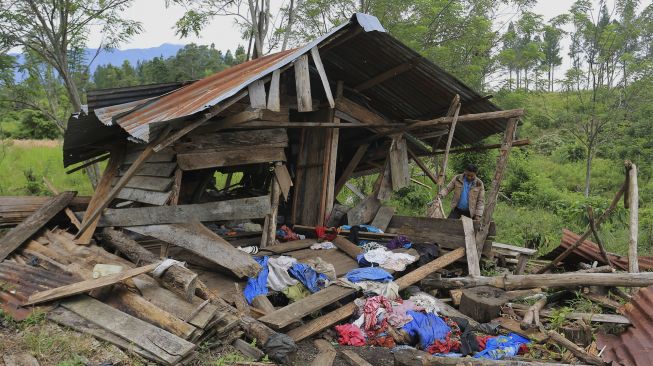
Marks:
<point>590,252</point>
<point>633,347</point>
<point>99,98</point>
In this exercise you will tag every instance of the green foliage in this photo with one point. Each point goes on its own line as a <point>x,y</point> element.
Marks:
<point>34,125</point>
<point>230,359</point>
<point>559,317</point>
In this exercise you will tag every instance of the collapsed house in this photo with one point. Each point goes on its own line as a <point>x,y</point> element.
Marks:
<point>288,131</point>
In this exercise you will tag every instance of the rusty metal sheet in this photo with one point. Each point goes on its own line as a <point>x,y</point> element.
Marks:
<point>19,281</point>
<point>100,98</point>
<point>633,347</point>
<point>589,251</point>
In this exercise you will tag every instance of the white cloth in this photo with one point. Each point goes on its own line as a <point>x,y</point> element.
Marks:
<point>427,302</point>
<point>322,266</point>
<point>389,260</point>
<point>387,289</point>
<point>278,277</point>
<point>167,263</point>
<point>323,245</point>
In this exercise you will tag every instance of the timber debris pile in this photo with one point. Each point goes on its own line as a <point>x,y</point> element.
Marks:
<point>163,258</point>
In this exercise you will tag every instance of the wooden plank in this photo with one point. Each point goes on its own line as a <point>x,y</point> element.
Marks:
<point>257,94</point>
<point>383,217</point>
<point>205,243</point>
<point>354,359</point>
<point>207,141</point>
<point>364,212</point>
<point>289,246</point>
<point>348,247</point>
<point>633,217</point>
<point>284,179</point>
<point>383,184</point>
<point>331,159</point>
<point>158,184</point>
<point>238,209</point>
<point>455,106</point>
<point>355,191</point>
<point>88,285</point>
<point>312,125</point>
<point>144,196</point>
<point>71,320</point>
<point>351,166</point>
<point>423,166</point>
<point>315,53</point>
<point>391,73</point>
<point>327,354</point>
<point>303,84</point>
<point>195,161</point>
<point>274,96</point>
<point>152,169</point>
<point>399,167</point>
<point>473,264</point>
<point>447,233</point>
<point>359,112</point>
<point>165,345</point>
<point>301,308</point>
<point>344,312</point>
<point>18,235</point>
<point>164,156</point>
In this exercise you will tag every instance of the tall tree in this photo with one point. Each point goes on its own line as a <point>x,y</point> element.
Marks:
<point>551,49</point>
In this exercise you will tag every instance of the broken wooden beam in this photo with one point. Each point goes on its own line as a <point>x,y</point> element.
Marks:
<point>238,209</point>
<point>177,279</point>
<point>348,247</point>
<point>205,243</point>
<point>326,353</point>
<point>18,235</point>
<point>562,280</point>
<point>578,352</point>
<point>354,359</point>
<point>88,285</point>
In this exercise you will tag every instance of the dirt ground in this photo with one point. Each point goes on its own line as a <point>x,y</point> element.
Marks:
<point>377,356</point>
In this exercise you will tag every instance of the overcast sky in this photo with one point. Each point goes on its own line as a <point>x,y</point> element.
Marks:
<point>158,23</point>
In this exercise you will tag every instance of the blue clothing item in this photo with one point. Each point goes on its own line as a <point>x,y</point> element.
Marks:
<point>362,262</point>
<point>499,347</point>
<point>312,280</point>
<point>370,228</point>
<point>463,203</point>
<point>257,285</point>
<point>368,274</point>
<point>426,328</point>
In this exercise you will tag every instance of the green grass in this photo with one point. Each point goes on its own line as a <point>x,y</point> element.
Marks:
<point>23,165</point>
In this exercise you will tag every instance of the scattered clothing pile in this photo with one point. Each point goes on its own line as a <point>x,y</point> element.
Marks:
<point>397,323</point>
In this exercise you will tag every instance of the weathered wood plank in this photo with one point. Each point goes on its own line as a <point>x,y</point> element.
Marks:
<point>353,359</point>
<point>205,243</point>
<point>157,184</point>
<point>359,112</point>
<point>315,53</point>
<point>88,285</point>
<point>299,309</point>
<point>203,160</point>
<point>303,84</point>
<point>163,156</point>
<point>473,264</point>
<point>327,354</point>
<point>144,196</point>
<point>274,96</point>
<point>383,217</point>
<point>203,141</point>
<point>165,345</point>
<point>18,235</point>
<point>399,167</point>
<point>152,169</point>
<point>284,179</point>
<point>348,247</point>
<point>238,209</point>
<point>257,94</point>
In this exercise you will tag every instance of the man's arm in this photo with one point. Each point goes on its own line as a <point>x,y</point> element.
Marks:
<point>445,191</point>
<point>480,204</point>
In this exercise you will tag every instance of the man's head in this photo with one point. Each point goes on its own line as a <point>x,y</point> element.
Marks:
<point>470,172</point>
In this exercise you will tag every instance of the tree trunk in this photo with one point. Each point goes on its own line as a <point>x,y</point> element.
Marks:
<point>588,169</point>
<point>289,26</point>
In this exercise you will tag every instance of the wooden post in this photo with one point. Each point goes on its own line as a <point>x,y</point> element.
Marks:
<point>491,202</point>
<point>331,156</point>
<point>452,128</point>
<point>271,222</point>
<point>633,217</point>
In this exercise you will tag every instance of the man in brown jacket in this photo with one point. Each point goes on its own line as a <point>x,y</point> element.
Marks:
<point>468,194</point>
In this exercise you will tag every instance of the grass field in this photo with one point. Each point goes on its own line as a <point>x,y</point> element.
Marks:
<point>24,163</point>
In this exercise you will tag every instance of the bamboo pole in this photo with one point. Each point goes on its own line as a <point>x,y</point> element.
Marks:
<point>633,217</point>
